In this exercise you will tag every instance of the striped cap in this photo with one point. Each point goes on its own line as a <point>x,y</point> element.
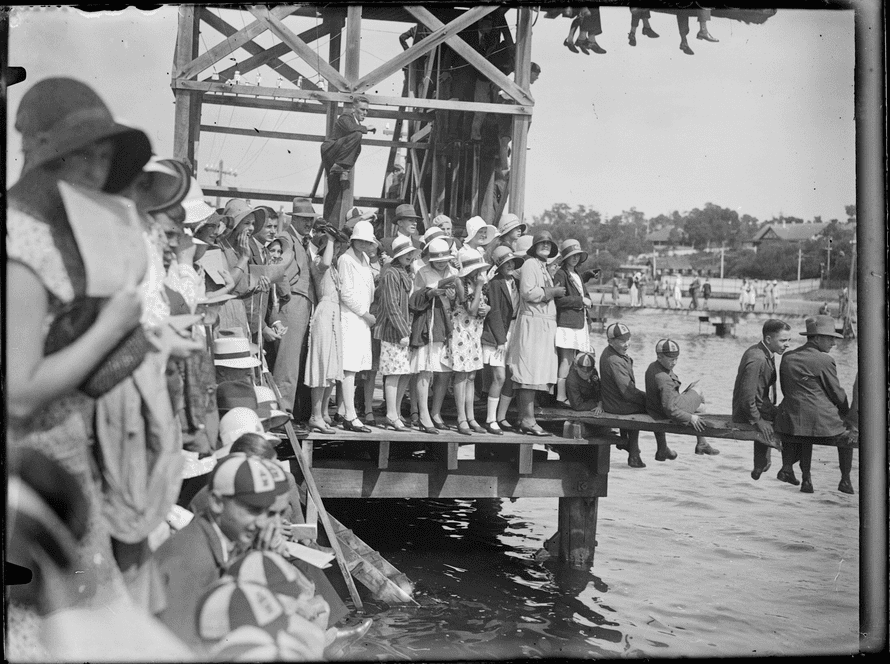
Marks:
<point>668,348</point>
<point>585,360</point>
<point>248,479</point>
<point>618,331</point>
<point>230,604</point>
<point>273,571</point>
<point>281,484</point>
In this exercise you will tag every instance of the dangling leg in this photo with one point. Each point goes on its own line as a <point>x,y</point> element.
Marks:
<point>704,15</point>
<point>683,27</point>
<point>662,451</point>
<point>566,357</point>
<point>845,461</point>
<point>806,459</point>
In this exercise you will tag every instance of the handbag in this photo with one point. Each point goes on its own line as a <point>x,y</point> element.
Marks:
<point>73,321</point>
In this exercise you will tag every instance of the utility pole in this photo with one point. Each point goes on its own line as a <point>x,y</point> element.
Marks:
<point>722,248</point>
<point>828,268</point>
<point>799,258</point>
<point>220,171</point>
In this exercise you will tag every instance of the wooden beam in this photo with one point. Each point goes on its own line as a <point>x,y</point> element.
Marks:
<point>271,21</point>
<point>353,43</point>
<point>186,45</point>
<point>255,194</point>
<point>577,531</point>
<point>229,45</point>
<point>303,106</point>
<point>285,93</point>
<point>520,125</point>
<point>315,138</point>
<point>424,46</point>
<point>478,61</point>
<point>337,478</point>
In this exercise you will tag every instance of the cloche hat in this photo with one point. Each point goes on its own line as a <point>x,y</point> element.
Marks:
<point>476,225</point>
<point>508,222</point>
<point>363,230</point>
<point>571,247</point>
<point>542,236</point>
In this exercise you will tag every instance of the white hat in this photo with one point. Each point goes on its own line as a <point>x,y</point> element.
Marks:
<point>438,250</point>
<point>363,230</point>
<point>267,407</point>
<point>476,225</point>
<point>236,423</point>
<point>471,261</point>
<point>401,246</point>
<point>194,466</point>
<point>196,208</point>
<point>234,352</point>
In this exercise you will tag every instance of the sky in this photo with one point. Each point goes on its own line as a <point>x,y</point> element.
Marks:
<point>761,122</point>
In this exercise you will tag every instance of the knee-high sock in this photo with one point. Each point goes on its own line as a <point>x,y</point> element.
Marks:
<point>492,412</point>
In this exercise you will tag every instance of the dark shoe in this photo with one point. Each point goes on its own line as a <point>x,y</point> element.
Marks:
<point>631,39</point>
<point>757,472</point>
<point>596,48</point>
<point>649,32</point>
<point>534,431</point>
<point>415,419</point>
<point>621,446</point>
<point>337,419</point>
<point>475,426</point>
<point>806,486</point>
<point>355,426</point>
<point>705,448</point>
<point>505,425</point>
<point>425,429</point>
<point>846,486</point>
<point>441,426</point>
<point>463,428</point>
<point>787,476</point>
<point>493,428</point>
<point>706,36</point>
<point>300,429</point>
<point>634,461</point>
<point>370,419</point>
<point>685,48</point>
<point>667,455</point>
<point>343,638</point>
<point>569,45</point>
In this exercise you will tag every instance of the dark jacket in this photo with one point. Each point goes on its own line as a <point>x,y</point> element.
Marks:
<point>619,388</point>
<point>393,320</point>
<point>188,563</point>
<point>752,396</point>
<point>500,316</point>
<point>298,273</point>
<point>813,400</point>
<point>583,394</point>
<point>663,398</point>
<point>569,307</point>
<point>422,304</point>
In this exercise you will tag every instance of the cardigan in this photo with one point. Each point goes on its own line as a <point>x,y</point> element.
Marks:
<point>569,307</point>
<point>500,316</point>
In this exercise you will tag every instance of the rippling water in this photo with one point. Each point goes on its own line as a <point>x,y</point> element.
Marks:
<point>694,558</point>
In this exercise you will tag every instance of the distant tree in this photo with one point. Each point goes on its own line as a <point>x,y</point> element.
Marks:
<point>851,213</point>
<point>712,225</point>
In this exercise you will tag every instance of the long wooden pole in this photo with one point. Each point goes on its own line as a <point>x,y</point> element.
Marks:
<point>186,46</point>
<point>521,124</point>
<point>351,71</point>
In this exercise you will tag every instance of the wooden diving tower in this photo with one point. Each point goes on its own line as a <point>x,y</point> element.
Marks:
<point>443,172</point>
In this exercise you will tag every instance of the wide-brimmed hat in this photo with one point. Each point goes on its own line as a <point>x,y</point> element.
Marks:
<point>523,244</point>
<point>267,408</point>
<point>235,394</point>
<point>58,116</point>
<point>363,230</point>
<point>235,424</point>
<point>355,215</point>
<point>402,245</point>
<point>406,211</point>
<point>193,466</point>
<point>432,233</point>
<point>167,186</point>
<point>542,236</point>
<point>477,225</point>
<point>235,351</point>
<point>438,251</point>
<point>503,254</point>
<point>508,222</point>
<point>471,261</point>
<point>571,247</point>
<point>196,208</point>
<point>821,325</point>
<point>301,207</point>
<point>239,210</point>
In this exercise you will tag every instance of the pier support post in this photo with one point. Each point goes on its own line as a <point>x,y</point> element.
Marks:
<point>577,531</point>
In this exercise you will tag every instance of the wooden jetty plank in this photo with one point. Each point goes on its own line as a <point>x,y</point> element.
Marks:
<point>338,478</point>
<point>717,426</point>
<point>388,435</point>
<point>526,459</point>
<point>383,454</point>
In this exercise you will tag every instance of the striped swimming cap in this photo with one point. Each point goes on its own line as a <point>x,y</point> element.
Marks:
<point>668,348</point>
<point>618,331</point>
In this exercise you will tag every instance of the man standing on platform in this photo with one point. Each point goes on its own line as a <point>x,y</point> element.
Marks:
<point>339,153</point>
<point>812,406</point>
<point>295,314</point>
<point>754,394</point>
<point>663,396</point>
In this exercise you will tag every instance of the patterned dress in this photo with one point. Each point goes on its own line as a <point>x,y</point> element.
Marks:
<point>324,363</point>
<point>465,347</point>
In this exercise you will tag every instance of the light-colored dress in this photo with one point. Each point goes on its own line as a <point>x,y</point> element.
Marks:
<point>436,355</point>
<point>324,362</point>
<point>531,354</point>
<point>356,296</point>
<point>466,338</point>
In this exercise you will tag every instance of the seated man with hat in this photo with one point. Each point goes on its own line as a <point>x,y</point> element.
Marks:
<point>813,406</point>
<point>663,396</point>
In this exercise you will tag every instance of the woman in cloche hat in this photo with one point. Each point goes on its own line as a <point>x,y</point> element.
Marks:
<point>531,355</point>
<point>572,335</point>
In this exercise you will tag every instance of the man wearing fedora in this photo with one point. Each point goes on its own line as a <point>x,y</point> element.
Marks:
<point>296,313</point>
<point>339,154</point>
<point>406,226</point>
<point>813,406</point>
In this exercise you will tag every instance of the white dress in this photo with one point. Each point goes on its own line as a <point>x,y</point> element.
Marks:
<point>356,295</point>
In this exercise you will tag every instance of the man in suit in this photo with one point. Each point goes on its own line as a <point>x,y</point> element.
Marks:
<point>754,393</point>
<point>339,154</point>
<point>295,315</point>
<point>813,406</point>
<point>620,394</point>
<point>242,491</point>
<point>663,396</point>
<point>406,226</point>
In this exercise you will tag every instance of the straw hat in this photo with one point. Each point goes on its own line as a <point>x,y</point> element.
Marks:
<point>471,261</point>
<point>822,326</point>
<point>476,225</point>
<point>542,236</point>
<point>432,233</point>
<point>571,247</point>
<point>234,351</point>
<point>235,424</point>
<point>503,255</point>
<point>267,408</point>
<point>508,222</point>
<point>438,251</point>
<point>194,466</point>
<point>58,116</point>
<point>301,207</point>
<point>165,191</point>
<point>406,211</point>
<point>196,208</point>
<point>363,230</point>
<point>401,246</point>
